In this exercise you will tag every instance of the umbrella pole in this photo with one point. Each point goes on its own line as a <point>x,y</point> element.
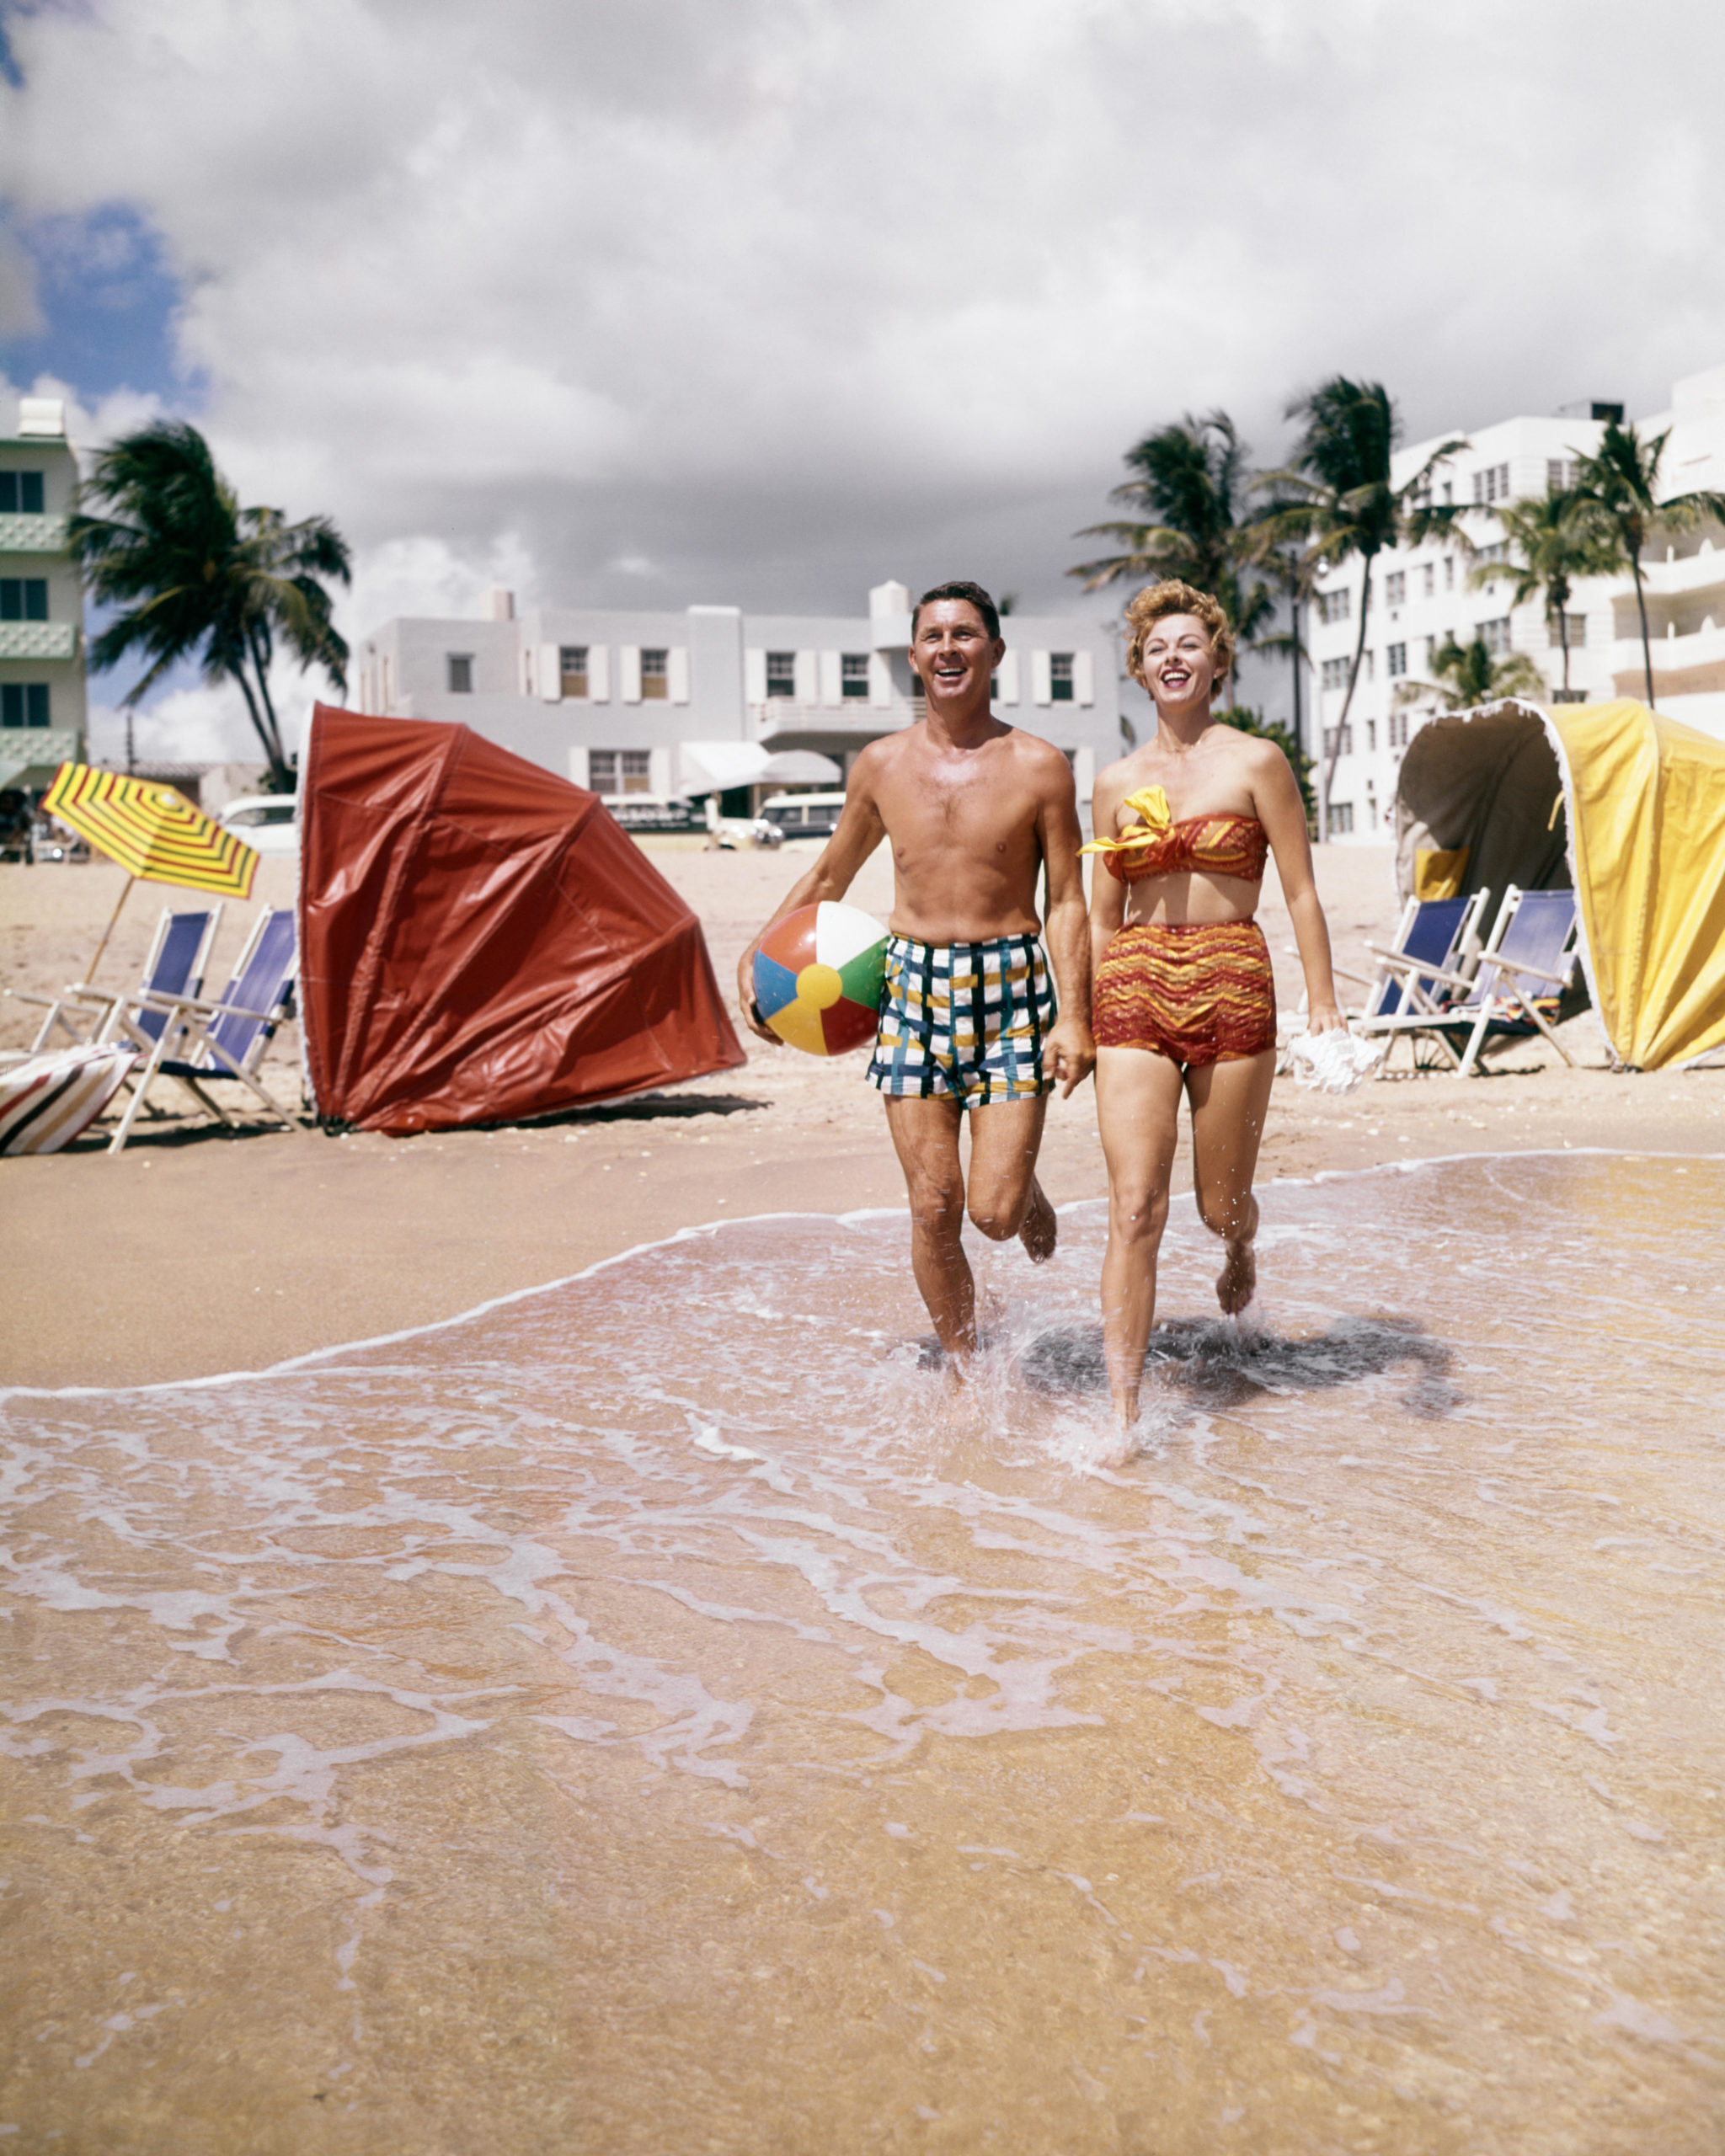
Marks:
<point>124,892</point>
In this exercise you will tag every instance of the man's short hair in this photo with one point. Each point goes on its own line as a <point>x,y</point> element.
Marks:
<point>973,594</point>
<point>1157,602</point>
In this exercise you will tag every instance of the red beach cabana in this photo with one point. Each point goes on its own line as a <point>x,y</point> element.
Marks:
<point>480,942</point>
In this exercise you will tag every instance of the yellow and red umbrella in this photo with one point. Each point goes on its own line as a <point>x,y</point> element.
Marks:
<point>151,831</point>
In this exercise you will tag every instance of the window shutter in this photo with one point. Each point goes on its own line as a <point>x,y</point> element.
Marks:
<point>754,677</point>
<point>629,673</point>
<point>577,766</point>
<point>551,673</point>
<point>1008,673</point>
<point>808,677</point>
<point>599,674</point>
<point>658,771</point>
<point>1084,677</point>
<point>880,680</point>
<point>677,670</point>
<point>832,688</point>
<point>1042,688</point>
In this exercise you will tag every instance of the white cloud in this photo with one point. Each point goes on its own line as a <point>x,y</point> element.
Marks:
<point>783,296</point>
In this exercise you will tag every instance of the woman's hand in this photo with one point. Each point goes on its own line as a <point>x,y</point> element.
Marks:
<point>1325,1018</point>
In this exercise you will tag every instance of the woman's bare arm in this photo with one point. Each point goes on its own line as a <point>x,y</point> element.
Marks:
<point>1280,809</point>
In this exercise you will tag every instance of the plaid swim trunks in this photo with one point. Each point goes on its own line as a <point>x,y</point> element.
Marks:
<point>966,1020</point>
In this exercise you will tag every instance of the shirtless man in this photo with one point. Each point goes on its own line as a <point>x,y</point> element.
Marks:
<point>975,809</point>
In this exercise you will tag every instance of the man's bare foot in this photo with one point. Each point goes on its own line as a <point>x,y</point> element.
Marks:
<point>1237,1279</point>
<point>1041,1229</point>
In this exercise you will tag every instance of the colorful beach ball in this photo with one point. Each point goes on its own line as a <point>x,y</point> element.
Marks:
<point>818,977</point>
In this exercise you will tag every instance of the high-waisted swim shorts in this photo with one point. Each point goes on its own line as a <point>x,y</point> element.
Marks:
<point>1197,992</point>
<point>966,1020</point>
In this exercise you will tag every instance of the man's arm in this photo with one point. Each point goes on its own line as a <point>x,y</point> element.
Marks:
<point>857,833</point>
<point>1069,1055</point>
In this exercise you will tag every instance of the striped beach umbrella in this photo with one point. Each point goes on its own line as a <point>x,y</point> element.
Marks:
<point>153,833</point>
<point>150,830</point>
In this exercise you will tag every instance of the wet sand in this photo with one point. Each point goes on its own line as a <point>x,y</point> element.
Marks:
<point>194,1252</point>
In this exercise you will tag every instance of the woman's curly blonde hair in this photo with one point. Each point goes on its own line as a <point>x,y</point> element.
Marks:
<point>1157,602</point>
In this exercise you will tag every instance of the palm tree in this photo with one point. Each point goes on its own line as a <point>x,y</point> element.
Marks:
<point>1337,498</point>
<point>1190,480</point>
<point>1469,674</point>
<point>1557,540</point>
<point>1619,486</point>
<point>198,577</point>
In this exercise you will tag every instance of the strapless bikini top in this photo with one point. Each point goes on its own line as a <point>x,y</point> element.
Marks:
<point>1156,845</point>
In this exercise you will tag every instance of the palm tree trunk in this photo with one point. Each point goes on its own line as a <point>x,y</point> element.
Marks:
<point>1647,649</point>
<point>272,751</point>
<point>1563,639</point>
<point>1346,701</point>
<point>280,777</point>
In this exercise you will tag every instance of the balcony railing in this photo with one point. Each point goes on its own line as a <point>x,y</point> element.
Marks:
<point>32,535</point>
<point>28,748</point>
<point>1690,665</point>
<point>780,716</point>
<point>38,640</point>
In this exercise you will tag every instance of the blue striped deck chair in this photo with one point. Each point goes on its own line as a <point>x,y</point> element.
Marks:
<point>1434,942</point>
<point>178,953</point>
<point>1528,961</point>
<point>220,1043</point>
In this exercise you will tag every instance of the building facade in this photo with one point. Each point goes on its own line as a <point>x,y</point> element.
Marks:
<point>1421,596</point>
<point>41,601</point>
<point>698,701</point>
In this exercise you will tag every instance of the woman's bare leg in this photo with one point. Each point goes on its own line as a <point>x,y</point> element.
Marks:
<point>1137,1110</point>
<point>1229,1102</point>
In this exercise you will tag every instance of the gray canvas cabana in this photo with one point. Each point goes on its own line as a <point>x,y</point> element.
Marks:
<point>1479,803</point>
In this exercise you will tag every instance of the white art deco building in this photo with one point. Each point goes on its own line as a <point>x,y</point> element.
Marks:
<point>712,697</point>
<point>41,601</point>
<point>1421,595</point>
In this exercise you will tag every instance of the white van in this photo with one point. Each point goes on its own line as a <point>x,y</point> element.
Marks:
<point>805,815</point>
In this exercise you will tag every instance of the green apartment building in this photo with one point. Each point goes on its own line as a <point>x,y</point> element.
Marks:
<point>41,601</point>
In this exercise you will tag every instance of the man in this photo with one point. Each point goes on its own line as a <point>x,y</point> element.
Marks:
<point>974,810</point>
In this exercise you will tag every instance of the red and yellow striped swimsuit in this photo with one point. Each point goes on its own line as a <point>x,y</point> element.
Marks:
<point>1198,992</point>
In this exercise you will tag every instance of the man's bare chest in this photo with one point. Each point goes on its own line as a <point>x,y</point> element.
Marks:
<point>983,816</point>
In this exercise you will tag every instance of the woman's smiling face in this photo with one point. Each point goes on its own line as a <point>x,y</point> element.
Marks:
<point>1179,665</point>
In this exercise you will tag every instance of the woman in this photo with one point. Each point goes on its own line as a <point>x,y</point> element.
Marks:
<point>1184,1000</point>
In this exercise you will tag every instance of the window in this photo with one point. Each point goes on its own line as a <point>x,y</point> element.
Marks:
<point>1576,625</point>
<point>1561,474</point>
<point>655,677</point>
<point>1448,490</point>
<point>1495,634</point>
<point>1342,818</point>
<point>20,494</point>
<point>24,599</point>
<point>1429,580</point>
<point>1487,555</point>
<point>1334,605</point>
<point>781,674</point>
<point>1396,661</point>
<point>1493,484</point>
<point>853,670</point>
<point>572,665</point>
<point>461,673</point>
<point>23,703</point>
<point>1449,571</point>
<point>1060,677</point>
<point>613,772</point>
<point>1396,588</point>
<point>1372,740</point>
<point>1398,729</point>
<point>1338,740</point>
<point>1335,673</point>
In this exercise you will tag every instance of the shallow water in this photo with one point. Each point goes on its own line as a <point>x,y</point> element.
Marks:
<point>656,1716</point>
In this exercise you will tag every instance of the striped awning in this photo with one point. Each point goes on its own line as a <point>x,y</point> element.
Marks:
<point>150,830</point>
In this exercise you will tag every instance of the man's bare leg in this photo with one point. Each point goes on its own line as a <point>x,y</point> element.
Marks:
<point>1138,1109</point>
<point>1004,1198</point>
<point>1229,1102</point>
<point>925,1135</point>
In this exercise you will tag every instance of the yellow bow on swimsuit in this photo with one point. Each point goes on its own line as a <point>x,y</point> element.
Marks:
<point>1151,805</point>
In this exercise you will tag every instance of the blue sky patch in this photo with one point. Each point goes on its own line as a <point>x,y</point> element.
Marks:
<point>109,301</point>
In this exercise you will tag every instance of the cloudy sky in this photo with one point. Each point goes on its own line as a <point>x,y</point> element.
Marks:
<point>649,302</point>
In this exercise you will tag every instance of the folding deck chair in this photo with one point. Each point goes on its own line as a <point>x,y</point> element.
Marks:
<point>1434,942</point>
<point>202,1043</point>
<point>177,955</point>
<point>1529,959</point>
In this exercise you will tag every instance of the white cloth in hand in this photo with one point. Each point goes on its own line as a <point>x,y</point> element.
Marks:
<point>1334,1062</point>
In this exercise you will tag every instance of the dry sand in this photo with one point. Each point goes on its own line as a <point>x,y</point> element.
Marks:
<point>197,1251</point>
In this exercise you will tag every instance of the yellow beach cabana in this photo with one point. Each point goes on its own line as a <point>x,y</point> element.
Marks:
<point>1626,807</point>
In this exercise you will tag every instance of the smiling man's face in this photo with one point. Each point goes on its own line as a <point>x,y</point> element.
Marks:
<point>952,651</point>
